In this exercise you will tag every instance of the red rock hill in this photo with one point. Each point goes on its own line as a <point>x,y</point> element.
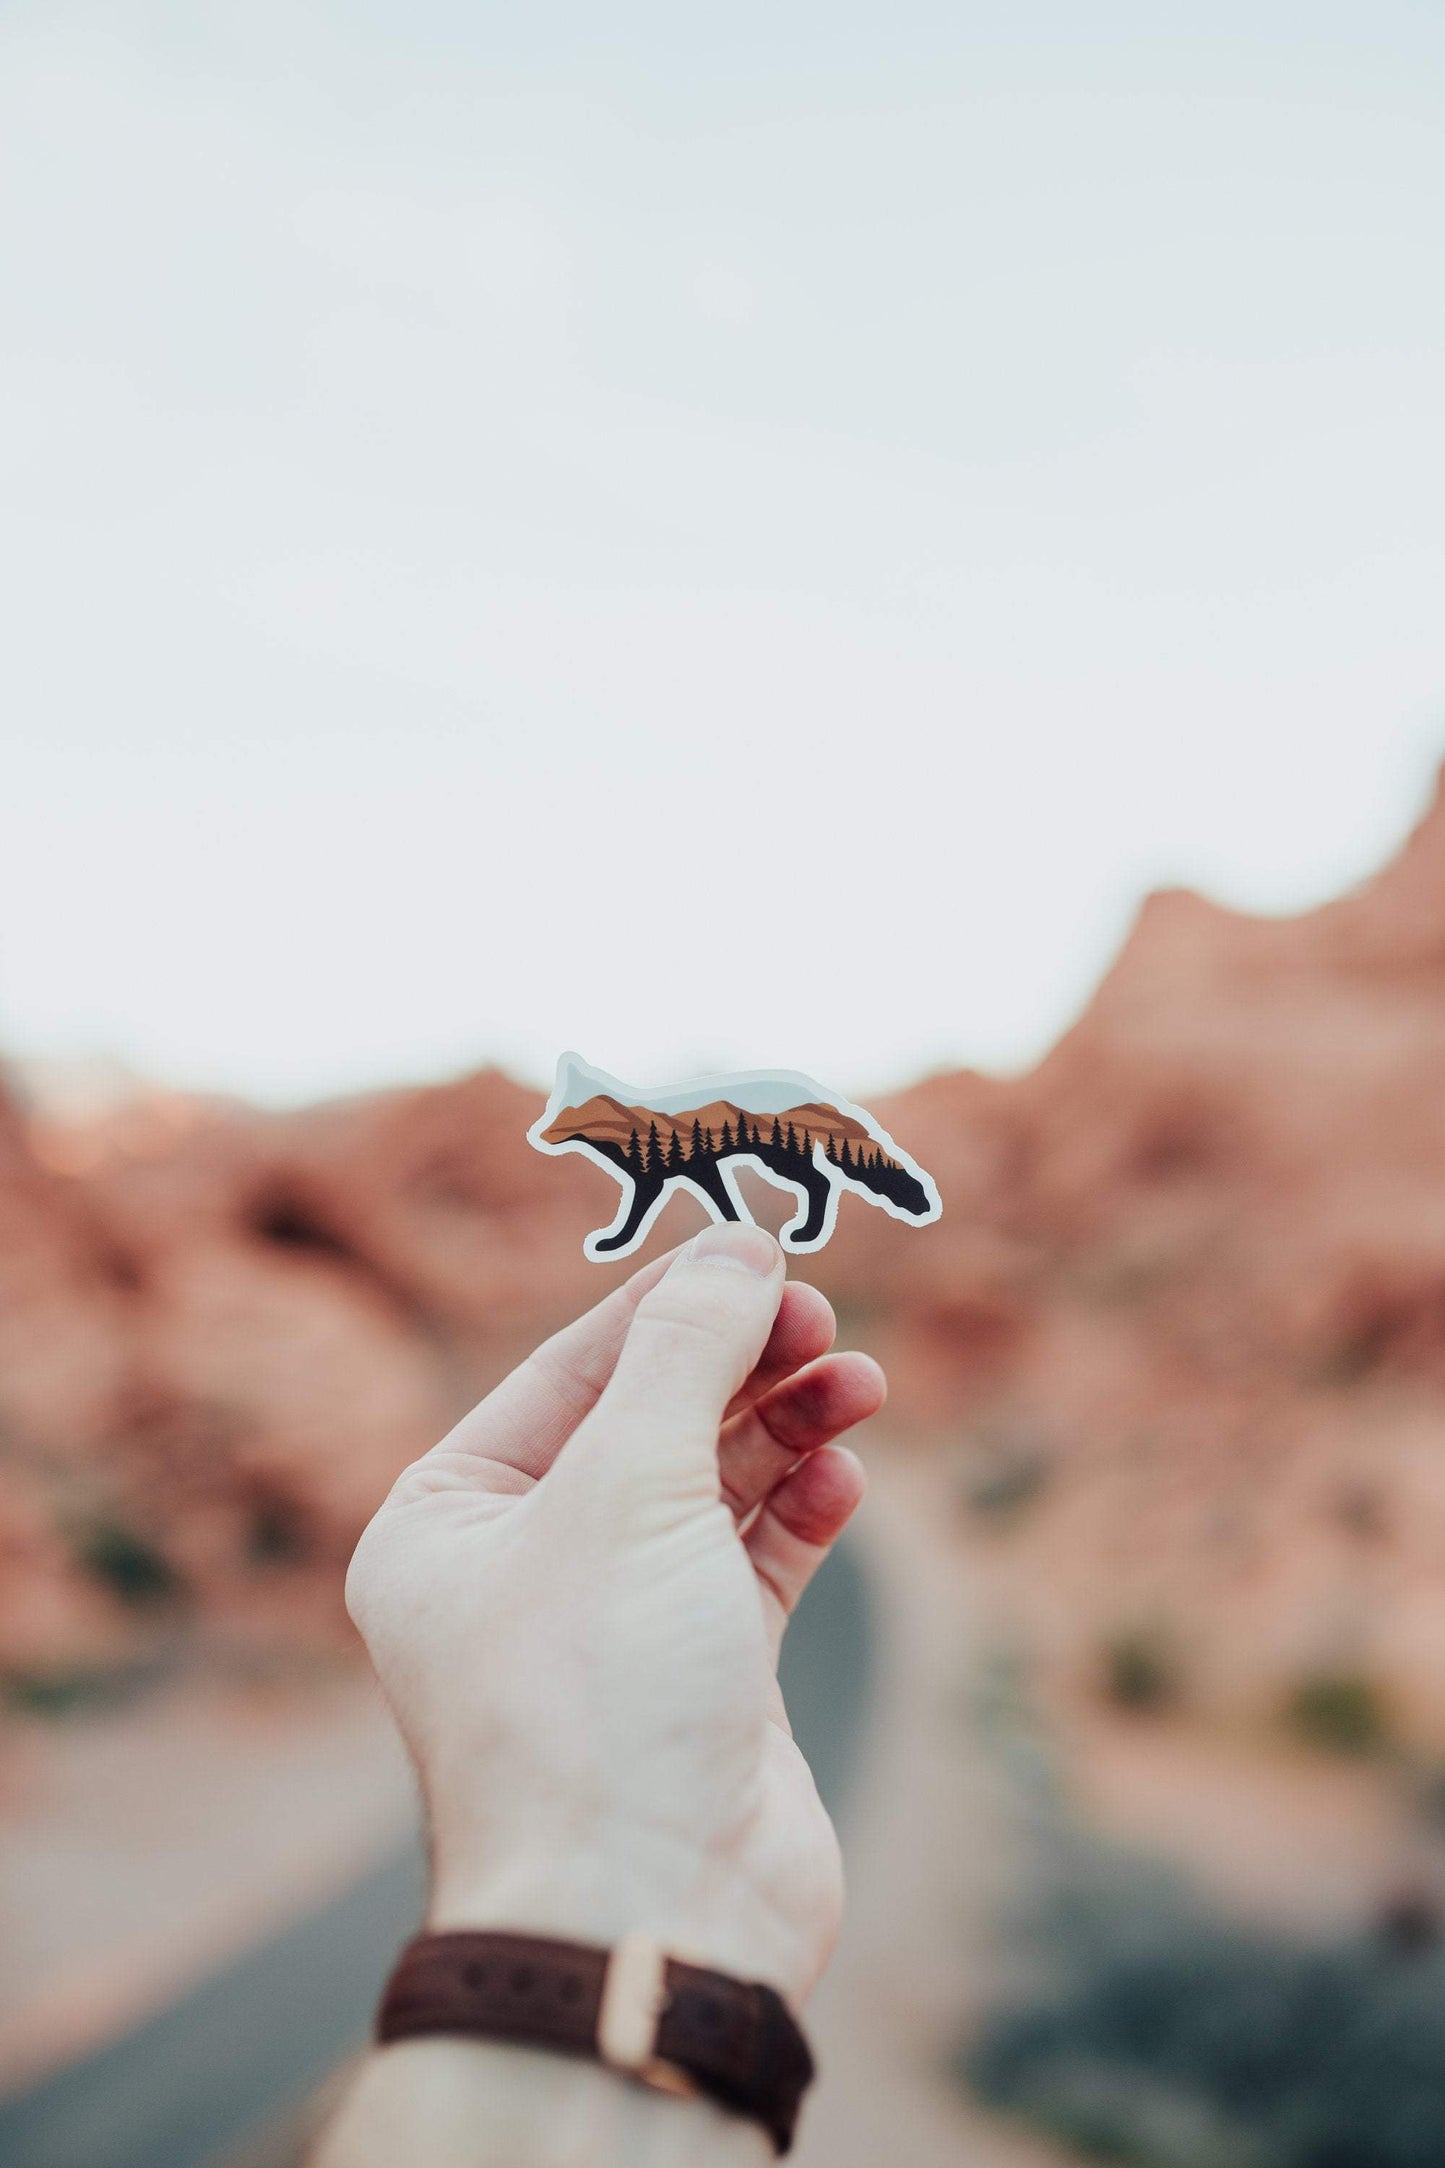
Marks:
<point>1182,1325</point>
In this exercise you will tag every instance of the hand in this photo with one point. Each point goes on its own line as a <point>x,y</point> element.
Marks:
<point>575,1604</point>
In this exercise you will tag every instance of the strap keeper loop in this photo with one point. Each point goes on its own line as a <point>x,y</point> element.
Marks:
<point>634,1994</point>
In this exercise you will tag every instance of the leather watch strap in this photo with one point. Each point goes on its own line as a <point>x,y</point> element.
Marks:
<point>734,2040</point>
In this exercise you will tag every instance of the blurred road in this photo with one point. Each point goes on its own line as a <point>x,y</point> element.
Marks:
<point>198,2081</point>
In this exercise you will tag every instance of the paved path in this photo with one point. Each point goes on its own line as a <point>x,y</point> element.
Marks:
<point>194,2083</point>
<point>929,1841</point>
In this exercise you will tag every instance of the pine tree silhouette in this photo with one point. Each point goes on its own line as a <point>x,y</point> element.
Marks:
<point>665,1148</point>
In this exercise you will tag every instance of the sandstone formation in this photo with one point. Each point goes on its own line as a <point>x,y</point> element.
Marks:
<point>1181,1328</point>
<point>1183,1321</point>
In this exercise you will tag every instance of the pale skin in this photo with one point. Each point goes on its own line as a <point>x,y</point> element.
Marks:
<point>575,1604</point>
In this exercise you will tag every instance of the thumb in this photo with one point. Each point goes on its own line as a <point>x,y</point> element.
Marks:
<point>693,1339</point>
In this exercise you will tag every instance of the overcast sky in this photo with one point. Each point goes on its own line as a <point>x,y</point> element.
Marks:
<point>714,536</point>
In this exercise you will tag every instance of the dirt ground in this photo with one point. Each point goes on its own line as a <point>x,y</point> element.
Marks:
<point>111,1899</point>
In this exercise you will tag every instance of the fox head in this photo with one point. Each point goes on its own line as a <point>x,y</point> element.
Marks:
<point>910,1195</point>
<point>902,1191</point>
<point>576,1082</point>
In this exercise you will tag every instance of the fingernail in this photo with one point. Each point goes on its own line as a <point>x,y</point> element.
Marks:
<point>745,1249</point>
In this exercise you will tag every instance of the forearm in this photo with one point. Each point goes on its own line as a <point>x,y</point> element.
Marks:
<point>441,2103</point>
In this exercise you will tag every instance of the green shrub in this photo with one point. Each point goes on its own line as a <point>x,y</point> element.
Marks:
<point>1141,1670</point>
<point>1340,1711</point>
<point>63,1692</point>
<point>278,1536</point>
<point>1003,1474</point>
<point>1162,2035</point>
<point>129,1564</point>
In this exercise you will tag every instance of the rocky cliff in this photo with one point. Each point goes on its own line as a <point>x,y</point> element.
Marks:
<point>1181,1327</point>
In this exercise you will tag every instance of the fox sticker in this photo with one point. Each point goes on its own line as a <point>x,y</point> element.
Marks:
<point>695,1136</point>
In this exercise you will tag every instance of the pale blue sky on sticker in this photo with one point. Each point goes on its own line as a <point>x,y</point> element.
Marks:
<point>732,537</point>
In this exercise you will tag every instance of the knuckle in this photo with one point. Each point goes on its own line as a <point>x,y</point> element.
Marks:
<point>687,1326</point>
<point>576,1387</point>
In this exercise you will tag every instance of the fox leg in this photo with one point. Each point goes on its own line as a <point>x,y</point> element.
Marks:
<point>704,1175</point>
<point>646,1189</point>
<point>810,1223</point>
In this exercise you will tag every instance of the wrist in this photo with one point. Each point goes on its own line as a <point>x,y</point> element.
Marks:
<point>477,2103</point>
<point>655,2019</point>
<point>696,1905</point>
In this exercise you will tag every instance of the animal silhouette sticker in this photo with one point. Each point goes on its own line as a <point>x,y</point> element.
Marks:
<point>696,1136</point>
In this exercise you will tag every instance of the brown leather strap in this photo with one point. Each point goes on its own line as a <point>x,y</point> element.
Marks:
<point>736,2040</point>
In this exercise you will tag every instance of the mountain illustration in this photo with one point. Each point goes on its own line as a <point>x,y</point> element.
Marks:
<point>605,1118</point>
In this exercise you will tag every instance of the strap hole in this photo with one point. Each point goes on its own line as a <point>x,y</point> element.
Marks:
<point>474,1974</point>
<point>709,2011</point>
<point>570,1989</point>
<point>522,1978</point>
